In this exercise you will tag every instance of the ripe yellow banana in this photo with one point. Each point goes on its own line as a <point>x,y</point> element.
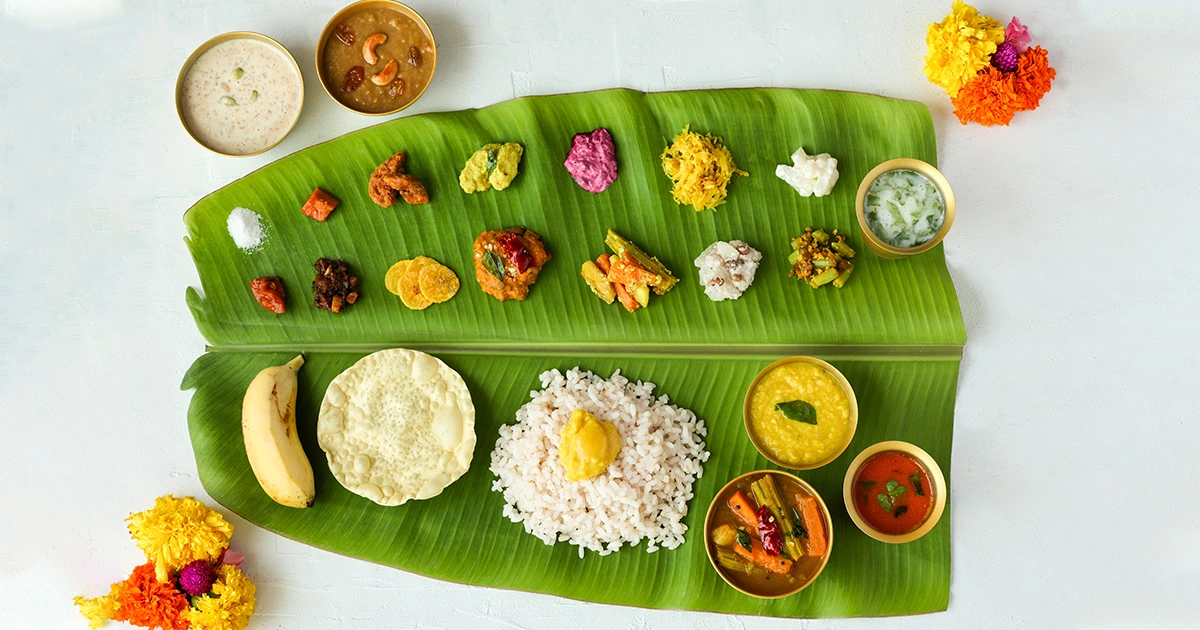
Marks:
<point>272,444</point>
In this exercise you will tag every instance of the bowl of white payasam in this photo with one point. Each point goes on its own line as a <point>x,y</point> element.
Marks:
<point>239,94</point>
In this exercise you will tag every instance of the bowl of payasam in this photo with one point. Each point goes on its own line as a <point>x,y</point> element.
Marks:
<point>768,534</point>
<point>239,94</point>
<point>376,57</point>
<point>894,492</point>
<point>800,413</point>
<point>905,207</point>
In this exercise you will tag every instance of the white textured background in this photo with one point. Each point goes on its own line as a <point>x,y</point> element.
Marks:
<point>1075,468</point>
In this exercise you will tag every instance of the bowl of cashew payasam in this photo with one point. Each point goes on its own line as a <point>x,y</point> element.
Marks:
<point>376,57</point>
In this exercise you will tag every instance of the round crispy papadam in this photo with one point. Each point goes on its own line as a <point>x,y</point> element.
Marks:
<point>394,273</point>
<point>438,282</point>
<point>410,284</point>
<point>397,425</point>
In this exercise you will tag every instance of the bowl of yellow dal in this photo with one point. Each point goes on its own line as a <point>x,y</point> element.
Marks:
<point>800,413</point>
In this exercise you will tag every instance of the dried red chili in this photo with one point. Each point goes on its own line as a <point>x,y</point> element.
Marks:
<point>516,251</point>
<point>768,529</point>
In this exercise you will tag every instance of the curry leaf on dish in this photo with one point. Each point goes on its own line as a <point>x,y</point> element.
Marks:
<point>744,540</point>
<point>797,410</point>
<point>915,478</point>
<point>900,511</point>
<point>492,161</point>
<point>494,264</point>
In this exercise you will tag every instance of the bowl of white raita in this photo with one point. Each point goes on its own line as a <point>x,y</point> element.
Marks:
<point>905,207</point>
<point>239,94</point>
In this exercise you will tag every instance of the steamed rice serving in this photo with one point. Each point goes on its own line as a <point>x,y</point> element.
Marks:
<point>643,494</point>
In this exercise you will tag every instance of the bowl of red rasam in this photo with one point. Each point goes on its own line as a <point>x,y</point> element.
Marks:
<point>895,492</point>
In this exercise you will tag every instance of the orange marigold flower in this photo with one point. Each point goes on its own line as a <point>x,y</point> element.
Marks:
<point>988,99</point>
<point>146,602</point>
<point>1033,77</point>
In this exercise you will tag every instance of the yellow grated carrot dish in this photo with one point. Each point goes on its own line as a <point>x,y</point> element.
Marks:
<point>701,169</point>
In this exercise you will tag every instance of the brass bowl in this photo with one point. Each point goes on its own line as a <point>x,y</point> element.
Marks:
<point>876,244</point>
<point>837,375</point>
<point>221,39</point>
<point>935,479</point>
<point>372,4</point>
<point>712,508</point>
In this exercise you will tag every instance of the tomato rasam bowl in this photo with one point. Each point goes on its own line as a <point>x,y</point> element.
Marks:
<point>768,534</point>
<point>895,492</point>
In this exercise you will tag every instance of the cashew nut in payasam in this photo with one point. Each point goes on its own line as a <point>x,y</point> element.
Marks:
<point>386,75</point>
<point>369,55</point>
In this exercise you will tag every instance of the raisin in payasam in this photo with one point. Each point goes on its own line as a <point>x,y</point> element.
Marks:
<point>334,287</point>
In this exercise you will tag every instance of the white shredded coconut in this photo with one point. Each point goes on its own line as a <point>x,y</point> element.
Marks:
<point>246,229</point>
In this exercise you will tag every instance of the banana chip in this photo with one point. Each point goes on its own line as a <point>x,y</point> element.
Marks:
<point>392,279</point>
<point>410,284</point>
<point>438,282</point>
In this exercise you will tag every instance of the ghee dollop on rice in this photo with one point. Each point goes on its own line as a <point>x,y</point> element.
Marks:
<point>643,494</point>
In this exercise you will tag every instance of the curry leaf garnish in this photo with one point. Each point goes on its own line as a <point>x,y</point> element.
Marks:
<point>797,410</point>
<point>915,478</point>
<point>492,160</point>
<point>494,264</point>
<point>868,483</point>
<point>744,540</point>
<point>885,501</point>
<point>800,531</point>
<point>900,511</point>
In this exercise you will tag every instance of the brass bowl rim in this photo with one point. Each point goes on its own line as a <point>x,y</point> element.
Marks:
<point>909,164</point>
<point>392,4</point>
<point>712,506</point>
<point>936,479</point>
<point>838,376</point>
<point>221,39</point>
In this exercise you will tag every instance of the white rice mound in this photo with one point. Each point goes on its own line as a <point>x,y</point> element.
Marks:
<point>644,493</point>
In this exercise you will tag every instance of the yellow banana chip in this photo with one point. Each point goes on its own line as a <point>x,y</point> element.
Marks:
<point>392,279</point>
<point>438,282</point>
<point>410,284</point>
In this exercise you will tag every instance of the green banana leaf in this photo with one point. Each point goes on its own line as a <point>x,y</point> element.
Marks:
<point>461,536</point>
<point>895,330</point>
<point>910,301</point>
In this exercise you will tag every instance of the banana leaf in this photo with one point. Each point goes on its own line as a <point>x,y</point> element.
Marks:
<point>461,535</point>
<point>909,301</point>
<point>895,330</point>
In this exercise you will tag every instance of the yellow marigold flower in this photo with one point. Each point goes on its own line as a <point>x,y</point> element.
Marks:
<point>177,531</point>
<point>230,605</point>
<point>98,610</point>
<point>960,46</point>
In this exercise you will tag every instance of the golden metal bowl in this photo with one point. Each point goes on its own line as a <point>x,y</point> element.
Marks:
<point>331,83</point>
<point>876,244</point>
<point>837,375</point>
<point>712,508</point>
<point>935,479</point>
<point>221,39</point>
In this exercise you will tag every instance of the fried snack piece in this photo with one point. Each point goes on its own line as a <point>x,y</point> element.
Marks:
<point>268,290</point>
<point>438,282</point>
<point>394,273</point>
<point>389,180</point>
<point>319,205</point>
<point>410,284</point>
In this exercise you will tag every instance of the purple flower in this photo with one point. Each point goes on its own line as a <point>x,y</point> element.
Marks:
<point>196,578</point>
<point>1005,57</point>
<point>1017,35</point>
